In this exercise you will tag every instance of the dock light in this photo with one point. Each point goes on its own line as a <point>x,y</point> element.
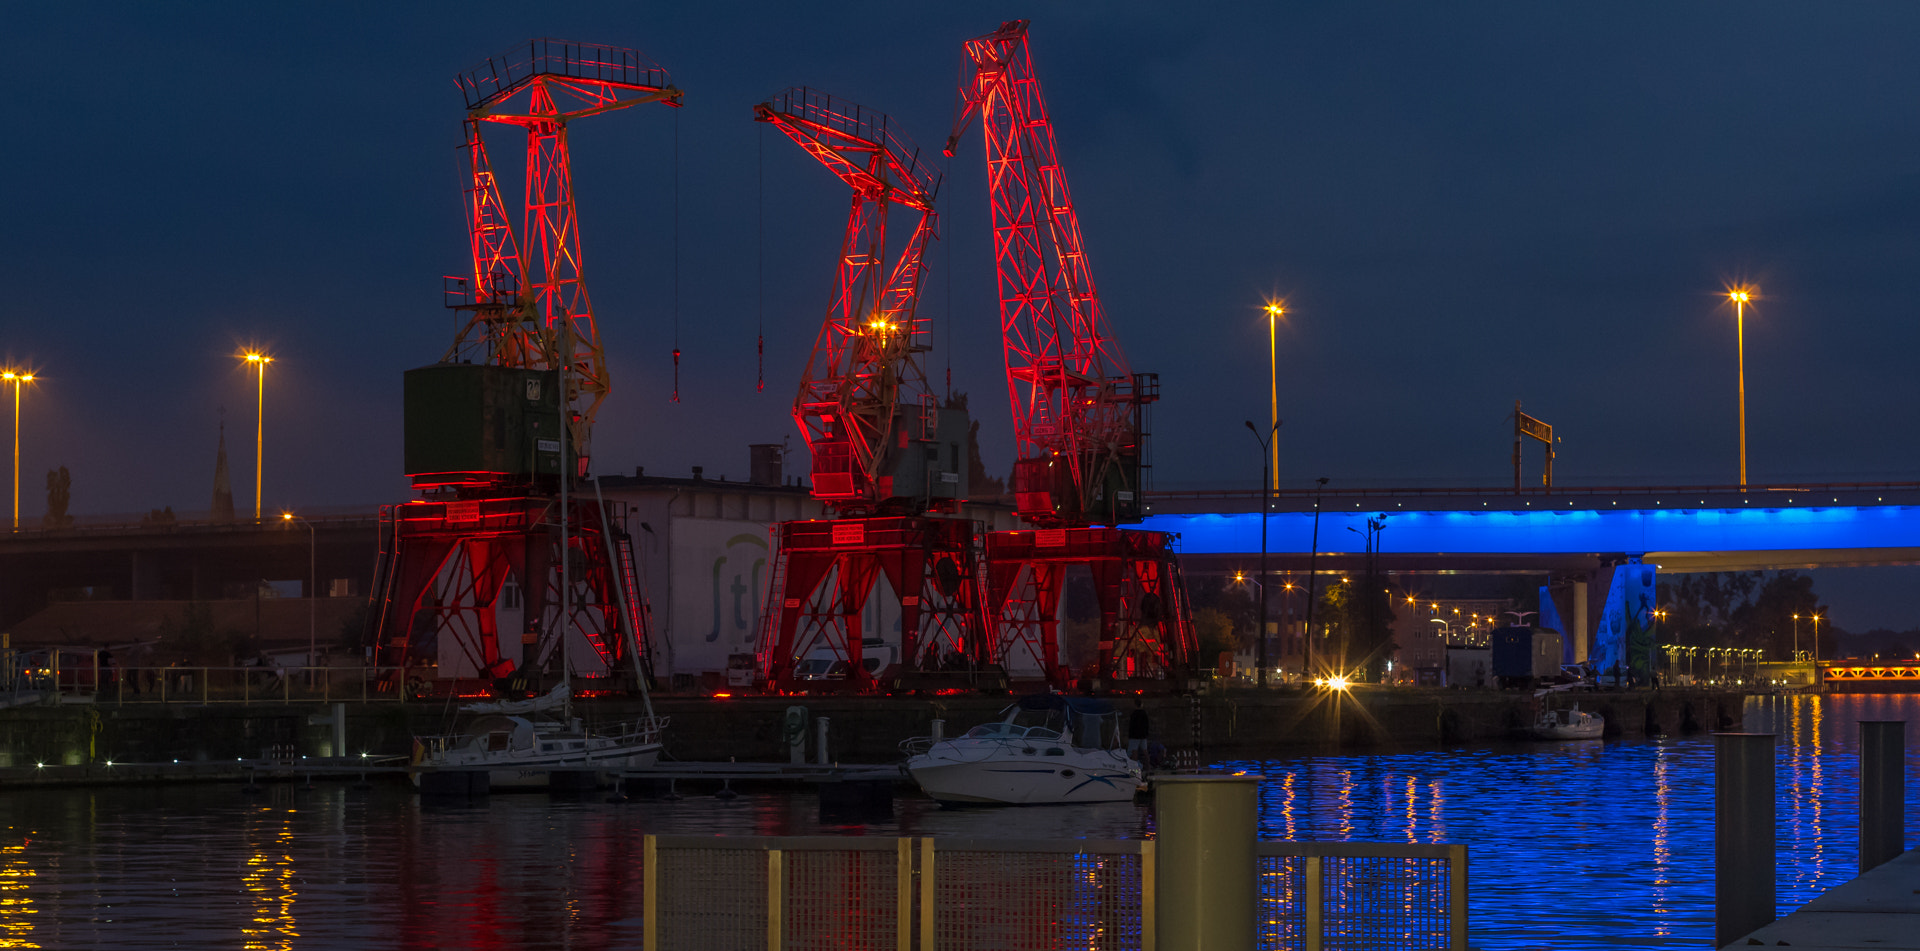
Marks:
<point>39,766</point>
<point>1339,682</point>
<point>109,762</point>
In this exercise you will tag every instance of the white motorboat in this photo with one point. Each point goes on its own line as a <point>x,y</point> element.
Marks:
<point>518,753</point>
<point>1019,761</point>
<point>1568,723</point>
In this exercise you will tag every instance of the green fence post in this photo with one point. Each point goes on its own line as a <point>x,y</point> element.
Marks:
<point>1205,870</point>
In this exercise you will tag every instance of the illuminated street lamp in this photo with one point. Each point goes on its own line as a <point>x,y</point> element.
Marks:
<point>1275,310</point>
<point>19,379</point>
<point>313,590</point>
<point>257,362</point>
<point>1741,296</point>
<point>1816,619</point>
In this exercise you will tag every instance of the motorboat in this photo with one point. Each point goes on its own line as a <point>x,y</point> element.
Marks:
<point>521,753</point>
<point>1568,723</point>
<point>1048,748</point>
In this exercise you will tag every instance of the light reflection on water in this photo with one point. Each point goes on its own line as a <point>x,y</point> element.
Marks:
<point>1575,845</point>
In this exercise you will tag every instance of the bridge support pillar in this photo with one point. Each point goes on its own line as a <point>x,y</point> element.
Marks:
<point>1582,622</point>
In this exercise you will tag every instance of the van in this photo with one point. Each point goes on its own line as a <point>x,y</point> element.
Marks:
<point>826,663</point>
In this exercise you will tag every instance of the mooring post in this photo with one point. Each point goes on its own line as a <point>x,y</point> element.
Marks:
<point>1743,835</point>
<point>939,730</point>
<point>1883,791</point>
<point>340,729</point>
<point>1205,868</point>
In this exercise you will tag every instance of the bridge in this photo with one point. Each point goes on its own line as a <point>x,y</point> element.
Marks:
<point>1679,528</point>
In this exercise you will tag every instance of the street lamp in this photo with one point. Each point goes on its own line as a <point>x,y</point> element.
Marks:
<point>313,588</point>
<point>1313,557</point>
<point>19,379</point>
<point>1816,619</point>
<point>1275,310</point>
<point>1741,296</point>
<point>1268,448</point>
<point>257,361</point>
<point>1654,641</point>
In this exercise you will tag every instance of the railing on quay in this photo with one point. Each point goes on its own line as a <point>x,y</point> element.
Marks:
<point>957,894</point>
<point>102,684</point>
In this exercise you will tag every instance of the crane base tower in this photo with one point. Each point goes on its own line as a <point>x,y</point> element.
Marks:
<point>466,597</point>
<point>1146,630</point>
<point>827,571</point>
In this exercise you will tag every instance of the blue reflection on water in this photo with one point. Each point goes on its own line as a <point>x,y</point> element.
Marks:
<point>1595,844</point>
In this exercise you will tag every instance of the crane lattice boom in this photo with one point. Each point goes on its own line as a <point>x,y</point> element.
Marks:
<point>528,293</point>
<point>864,380</point>
<point>1076,405</point>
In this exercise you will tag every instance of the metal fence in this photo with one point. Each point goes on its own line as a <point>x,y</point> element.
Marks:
<point>725,893</point>
<point>89,681</point>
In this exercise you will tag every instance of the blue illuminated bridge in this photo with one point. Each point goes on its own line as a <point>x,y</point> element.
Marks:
<point>1571,530</point>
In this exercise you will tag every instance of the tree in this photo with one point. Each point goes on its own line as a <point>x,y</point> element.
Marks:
<point>1214,630</point>
<point>59,494</point>
<point>193,638</point>
<point>1360,612</point>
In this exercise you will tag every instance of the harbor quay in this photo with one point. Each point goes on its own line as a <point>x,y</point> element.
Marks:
<point>36,742</point>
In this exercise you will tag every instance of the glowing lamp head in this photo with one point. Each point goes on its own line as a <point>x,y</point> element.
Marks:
<point>1276,309</point>
<point>1339,682</point>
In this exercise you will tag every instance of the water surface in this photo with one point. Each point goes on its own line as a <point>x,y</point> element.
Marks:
<point>1574,845</point>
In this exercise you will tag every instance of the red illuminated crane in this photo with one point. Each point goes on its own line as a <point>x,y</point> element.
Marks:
<point>884,455</point>
<point>1079,412</point>
<point>472,582</point>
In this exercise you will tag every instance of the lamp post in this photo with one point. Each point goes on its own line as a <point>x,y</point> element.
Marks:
<point>1275,311</point>
<point>257,362</point>
<point>19,379</point>
<point>1740,297</point>
<point>313,589</point>
<point>1260,648</point>
<point>1815,618</point>
<point>1268,448</point>
<point>1653,643</point>
<point>1312,558</point>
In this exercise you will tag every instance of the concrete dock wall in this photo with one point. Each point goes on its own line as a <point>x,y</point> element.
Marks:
<point>862,730</point>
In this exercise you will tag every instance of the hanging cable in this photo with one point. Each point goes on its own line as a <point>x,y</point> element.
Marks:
<point>949,243</point>
<point>760,252</point>
<point>676,256</point>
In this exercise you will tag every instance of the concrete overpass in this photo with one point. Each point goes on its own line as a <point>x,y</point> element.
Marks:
<point>1679,528</point>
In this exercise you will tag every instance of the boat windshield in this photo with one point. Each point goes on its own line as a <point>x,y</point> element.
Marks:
<point>1011,731</point>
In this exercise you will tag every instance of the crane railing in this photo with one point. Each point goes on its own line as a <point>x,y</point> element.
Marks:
<point>502,75</point>
<point>853,121</point>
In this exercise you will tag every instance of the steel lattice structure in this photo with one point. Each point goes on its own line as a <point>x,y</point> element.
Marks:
<point>863,407</point>
<point>1078,409</point>
<point>529,296</point>
<point>487,542</point>
<point>1076,405</point>
<point>865,367</point>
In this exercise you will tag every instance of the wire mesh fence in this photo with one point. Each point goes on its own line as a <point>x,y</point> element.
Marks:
<point>948,894</point>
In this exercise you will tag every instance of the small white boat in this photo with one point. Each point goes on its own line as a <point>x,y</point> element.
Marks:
<point>518,753</point>
<point>1568,724</point>
<point>1018,761</point>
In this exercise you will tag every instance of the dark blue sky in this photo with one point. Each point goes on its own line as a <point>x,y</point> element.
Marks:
<point>1464,204</point>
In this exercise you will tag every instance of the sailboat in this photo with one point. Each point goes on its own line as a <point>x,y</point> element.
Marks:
<point>520,744</point>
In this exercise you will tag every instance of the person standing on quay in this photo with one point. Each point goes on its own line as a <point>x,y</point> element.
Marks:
<point>1138,726</point>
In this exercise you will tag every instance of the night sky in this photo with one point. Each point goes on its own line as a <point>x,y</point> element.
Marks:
<point>1463,205</point>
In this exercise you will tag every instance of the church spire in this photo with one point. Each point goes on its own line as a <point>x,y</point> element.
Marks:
<point>222,483</point>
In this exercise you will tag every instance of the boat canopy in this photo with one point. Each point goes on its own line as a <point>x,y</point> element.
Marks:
<point>1083,706</point>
